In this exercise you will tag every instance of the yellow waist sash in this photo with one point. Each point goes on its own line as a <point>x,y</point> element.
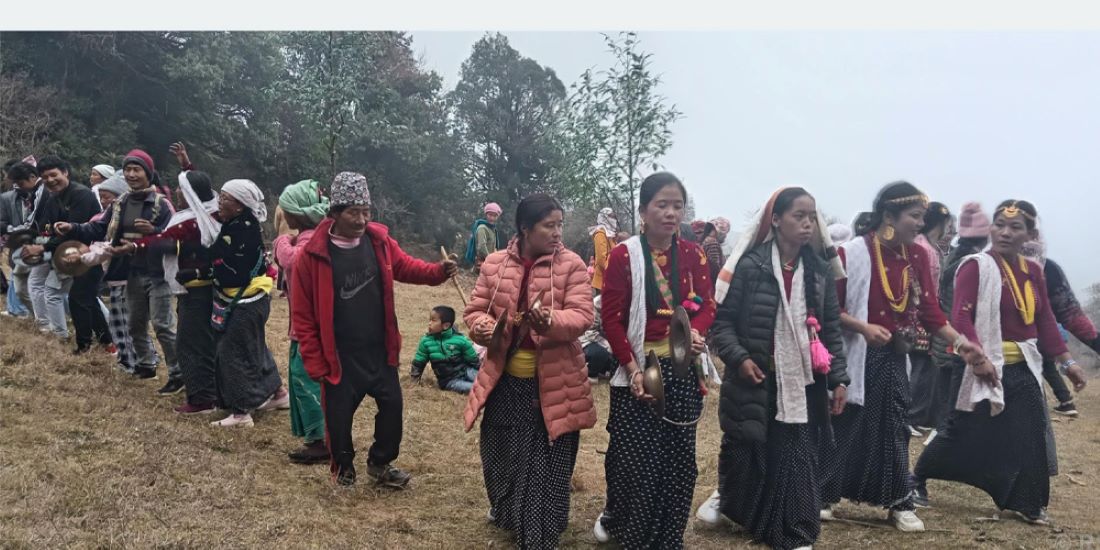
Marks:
<point>1012,352</point>
<point>259,284</point>
<point>198,283</point>
<point>522,364</point>
<point>660,347</point>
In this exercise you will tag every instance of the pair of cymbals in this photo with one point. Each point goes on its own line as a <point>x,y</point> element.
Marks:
<point>66,259</point>
<point>497,338</point>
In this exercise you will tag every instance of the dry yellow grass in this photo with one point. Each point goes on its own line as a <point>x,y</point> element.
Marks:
<point>92,459</point>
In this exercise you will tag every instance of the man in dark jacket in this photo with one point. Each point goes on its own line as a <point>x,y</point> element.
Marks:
<point>67,202</point>
<point>140,212</point>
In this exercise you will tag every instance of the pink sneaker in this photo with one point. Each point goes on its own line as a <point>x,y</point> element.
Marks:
<point>189,409</point>
<point>243,420</point>
<point>280,400</point>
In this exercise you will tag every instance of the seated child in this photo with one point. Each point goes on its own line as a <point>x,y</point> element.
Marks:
<point>597,352</point>
<point>452,355</point>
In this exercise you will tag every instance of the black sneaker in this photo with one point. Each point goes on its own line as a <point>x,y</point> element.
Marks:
<point>145,374</point>
<point>345,476</point>
<point>1066,409</point>
<point>389,476</point>
<point>174,386</point>
<point>313,452</point>
<point>80,350</point>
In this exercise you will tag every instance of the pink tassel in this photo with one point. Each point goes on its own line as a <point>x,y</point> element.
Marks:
<point>820,358</point>
<point>691,306</point>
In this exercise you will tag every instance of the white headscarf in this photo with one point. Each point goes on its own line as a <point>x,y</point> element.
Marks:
<point>249,195</point>
<point>606,222</point>
<point>760,231</point>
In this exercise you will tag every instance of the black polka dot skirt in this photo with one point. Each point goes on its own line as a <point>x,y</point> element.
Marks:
<point>771,489</point>
<point>870,461</point>
<point>1003,455</point>
<point>526,475</point>
<point>650,465</point>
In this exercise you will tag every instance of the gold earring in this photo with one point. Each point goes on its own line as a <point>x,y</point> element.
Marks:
<point>888,233</point>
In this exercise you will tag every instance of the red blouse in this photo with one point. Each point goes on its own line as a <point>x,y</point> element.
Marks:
<point>929,314</point>
<point>616,297</point>
<point>1013,328</point>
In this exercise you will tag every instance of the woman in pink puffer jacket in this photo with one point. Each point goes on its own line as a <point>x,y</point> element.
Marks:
<point>533,384</point>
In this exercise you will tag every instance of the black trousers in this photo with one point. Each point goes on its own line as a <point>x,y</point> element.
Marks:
<point>363,373</point>
<point>84,308</point>
<point>921,384</point>
<point>1056,381</point>
<point>195,345</point>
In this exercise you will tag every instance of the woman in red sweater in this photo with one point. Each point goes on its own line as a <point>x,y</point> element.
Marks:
<point>995,438</point>
<point>650,462</point>
<point>887,296</point>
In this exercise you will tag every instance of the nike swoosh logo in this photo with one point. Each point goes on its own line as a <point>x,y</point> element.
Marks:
<point>349,293</point>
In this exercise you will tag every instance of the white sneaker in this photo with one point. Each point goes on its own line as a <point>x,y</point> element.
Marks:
<point>243,420</point>
<point>708,512</point>
<point>274,402</point>
<point>827,514</point>
<point>602,536</point>
<point>906,521</point>
<point>913,432</point>
<point>805,548</point>
<point>490,516</point>
<point>931,436</point>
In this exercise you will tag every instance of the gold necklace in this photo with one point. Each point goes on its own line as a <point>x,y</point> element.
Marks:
<point>897,304</point>
<point>1023,300</point>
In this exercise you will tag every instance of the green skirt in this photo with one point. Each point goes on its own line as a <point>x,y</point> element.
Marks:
<point>307,420</point>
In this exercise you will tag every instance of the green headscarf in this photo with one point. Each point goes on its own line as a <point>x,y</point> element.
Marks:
<point>302,199</point>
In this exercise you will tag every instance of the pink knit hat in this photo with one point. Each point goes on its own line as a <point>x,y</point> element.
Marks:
<point>493,208</point>
<point>972,221</point>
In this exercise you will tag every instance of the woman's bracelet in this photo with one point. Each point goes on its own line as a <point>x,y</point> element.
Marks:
<point>1064,367</point>
<point>960,341</point>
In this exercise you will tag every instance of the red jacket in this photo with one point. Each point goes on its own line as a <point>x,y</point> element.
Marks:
<point>311,297</point>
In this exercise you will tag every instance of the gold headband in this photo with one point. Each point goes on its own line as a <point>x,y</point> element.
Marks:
<point>1012,211</point>
<point>919,198</point>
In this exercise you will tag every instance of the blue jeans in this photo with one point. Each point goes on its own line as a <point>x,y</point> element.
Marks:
<point>462,383</point>
<point>15,305</point>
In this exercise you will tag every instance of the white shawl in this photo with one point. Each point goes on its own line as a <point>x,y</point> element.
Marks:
<point>793,367</point>
<point>635,329</point>
<point>987,323</point>
<point>208,226</point>
<point>858,268</point>
<point>170,262</point>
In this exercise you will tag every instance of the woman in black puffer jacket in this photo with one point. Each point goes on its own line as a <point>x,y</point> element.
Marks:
<point>775,407</point>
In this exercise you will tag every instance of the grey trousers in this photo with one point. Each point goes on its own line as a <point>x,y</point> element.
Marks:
<point>49,296</point>
<point>150,299</point>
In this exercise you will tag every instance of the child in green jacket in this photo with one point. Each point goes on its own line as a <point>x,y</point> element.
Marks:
<point>451,354</point>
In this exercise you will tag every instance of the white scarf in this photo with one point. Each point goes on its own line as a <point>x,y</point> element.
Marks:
<point>170,262</point>
<point>793,367</point>
<point>858,284</point>
<point>208,226</point>
<point>605,223</point>
<point>987,323</point>
<point>635,328</point>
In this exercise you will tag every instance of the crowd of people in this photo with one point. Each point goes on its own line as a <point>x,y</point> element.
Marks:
<point>840,342</point>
